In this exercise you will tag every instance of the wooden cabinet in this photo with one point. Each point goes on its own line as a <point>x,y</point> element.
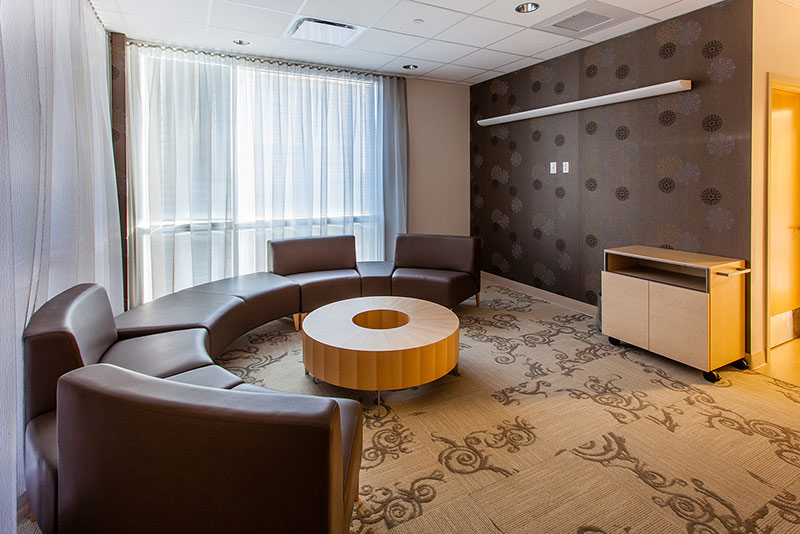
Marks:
<point>685,306</point>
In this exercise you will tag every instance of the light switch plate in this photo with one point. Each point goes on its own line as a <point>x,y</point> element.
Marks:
<point>565,167</point>
<point>553,167</point>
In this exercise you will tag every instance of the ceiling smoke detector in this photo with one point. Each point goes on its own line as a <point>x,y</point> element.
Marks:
<point>410,66</point>
<point>322,31</point>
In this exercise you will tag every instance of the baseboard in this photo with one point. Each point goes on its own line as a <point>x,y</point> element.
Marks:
<point>757,359</point>
<point>561,300</point>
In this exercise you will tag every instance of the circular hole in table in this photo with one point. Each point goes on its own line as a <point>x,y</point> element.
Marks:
<point>381,319</point>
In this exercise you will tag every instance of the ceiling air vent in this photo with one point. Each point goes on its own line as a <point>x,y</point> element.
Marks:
<point>582,21</point>
<point>322,31</point>
<point>585,19</point>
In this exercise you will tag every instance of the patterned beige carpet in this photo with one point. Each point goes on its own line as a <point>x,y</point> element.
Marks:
<point>549,428</point>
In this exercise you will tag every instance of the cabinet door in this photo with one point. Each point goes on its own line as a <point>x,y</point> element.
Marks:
<point>679,324</point>
<point>625,309</point>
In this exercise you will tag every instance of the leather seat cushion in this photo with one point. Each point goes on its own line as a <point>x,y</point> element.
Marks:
<point>252,388</point>
<point>221,315</point>
<point>447,288</point>
<point>266,296</point>
<point>212,376</point>
<point>161,355</point>
<point>41,469</point>
<point>323,287</point>
<point>376,277</point>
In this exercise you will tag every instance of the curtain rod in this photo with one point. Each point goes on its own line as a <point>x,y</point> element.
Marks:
<point>257,59</point>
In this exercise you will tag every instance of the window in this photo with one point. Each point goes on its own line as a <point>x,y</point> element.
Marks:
<point>229,153</point>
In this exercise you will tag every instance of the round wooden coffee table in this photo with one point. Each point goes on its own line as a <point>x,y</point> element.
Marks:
<point>380,343</point>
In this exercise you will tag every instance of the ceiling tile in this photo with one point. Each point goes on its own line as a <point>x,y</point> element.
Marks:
<point>396,66</point>
<point>620,29</point>
<point>454,73</point>
<point>113,21</point>
<point>288,6</point>
<point>164,31</point>
<point>222,39</point>
<point>263,22</point>
<point>361,59</point>
<point>680,8</point>
<point>560,50</point>
<point>479,32</point>
<point>248,19</point>
<point>293,49</point>
<point>385,42</point>
<point>440,51</point>
<point>105,5</point>
<point>186,11</point>
<point>358,12</point>
<point>488,59</point>
<point>488,75</point>
<point>529,42</point>
<point>401,19</point>
<point>640,6</point>
<point>465,6</point>
<point>520,64</point>
<point>503,10</point>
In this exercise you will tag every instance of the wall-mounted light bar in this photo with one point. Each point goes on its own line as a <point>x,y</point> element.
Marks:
<point>675,86</point>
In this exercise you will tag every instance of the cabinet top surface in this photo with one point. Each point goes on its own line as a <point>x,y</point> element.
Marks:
<point>679,257</point>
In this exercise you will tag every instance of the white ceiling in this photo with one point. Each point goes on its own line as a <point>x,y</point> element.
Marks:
<point>462,41</point>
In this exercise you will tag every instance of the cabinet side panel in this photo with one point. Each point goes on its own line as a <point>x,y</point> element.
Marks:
<point>679,324</point>
<point>727,318</point>
<point>625,308</point>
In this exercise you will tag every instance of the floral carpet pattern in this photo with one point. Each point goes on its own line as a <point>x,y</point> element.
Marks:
<point>547,427</point>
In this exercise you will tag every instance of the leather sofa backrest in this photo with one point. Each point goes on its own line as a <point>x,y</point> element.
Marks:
<point>310,254</point>
<point>123,436</point>
<point>445,252</point>
<point>71,330</point>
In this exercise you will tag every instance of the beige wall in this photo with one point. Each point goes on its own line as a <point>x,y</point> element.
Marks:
<point>438,168</point>
<point>775,26</point>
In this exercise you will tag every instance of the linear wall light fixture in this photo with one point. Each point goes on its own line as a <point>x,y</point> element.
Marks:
<point>675,86</point>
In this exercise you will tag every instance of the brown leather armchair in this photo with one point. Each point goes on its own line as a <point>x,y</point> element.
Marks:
<point>139,454</point>
<point>440,268</point>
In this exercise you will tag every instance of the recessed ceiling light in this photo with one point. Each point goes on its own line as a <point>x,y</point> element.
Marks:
<point>418,21</point>
<point>527,7</point>
<point>241,42</point>
<point>410,67</point>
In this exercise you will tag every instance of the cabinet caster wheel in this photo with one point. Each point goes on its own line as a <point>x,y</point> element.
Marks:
<point>741,364</point>
<point>614,341</point>
<point>711,376</point>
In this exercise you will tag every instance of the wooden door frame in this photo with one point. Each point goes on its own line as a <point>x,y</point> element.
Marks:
<point>792,85</point>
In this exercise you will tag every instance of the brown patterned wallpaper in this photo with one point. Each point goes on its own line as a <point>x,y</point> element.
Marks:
<point>120,142</point>
<point>671,171</point>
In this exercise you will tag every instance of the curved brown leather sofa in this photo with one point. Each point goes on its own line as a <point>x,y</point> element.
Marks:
<point>152,436</point>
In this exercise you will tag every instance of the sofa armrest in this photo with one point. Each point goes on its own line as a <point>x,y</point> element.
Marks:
<point>142,454</point>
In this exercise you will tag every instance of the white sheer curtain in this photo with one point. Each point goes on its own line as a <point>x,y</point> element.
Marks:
<point>58,200</point>
<point>228,153</point>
